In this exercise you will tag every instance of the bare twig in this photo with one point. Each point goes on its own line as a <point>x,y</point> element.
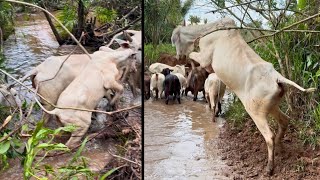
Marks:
<point>241,4</point>
<point>123,158</point>
<point>288,27</point>
<point>130,12</point>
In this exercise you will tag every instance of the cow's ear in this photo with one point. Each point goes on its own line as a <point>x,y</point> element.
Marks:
<point>170,70</point>
<point>122,43</point>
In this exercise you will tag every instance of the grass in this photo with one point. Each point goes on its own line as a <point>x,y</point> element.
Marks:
<point>151,53</point>
<point>237,115</point>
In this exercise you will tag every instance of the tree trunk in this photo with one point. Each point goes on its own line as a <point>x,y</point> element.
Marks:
<point>80,19</point>
<point>1,41</point>
<point>54,30</point>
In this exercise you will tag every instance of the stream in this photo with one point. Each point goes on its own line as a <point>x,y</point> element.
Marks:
<point>33,42</point>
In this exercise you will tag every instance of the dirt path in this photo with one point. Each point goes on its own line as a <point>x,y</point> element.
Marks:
<point>180,141</point>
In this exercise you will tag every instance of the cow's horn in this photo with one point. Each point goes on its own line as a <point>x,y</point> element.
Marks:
<point>127,36</point>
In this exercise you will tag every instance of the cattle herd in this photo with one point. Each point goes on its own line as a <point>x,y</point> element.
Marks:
<point>163,81</point>
<point>223,60</point>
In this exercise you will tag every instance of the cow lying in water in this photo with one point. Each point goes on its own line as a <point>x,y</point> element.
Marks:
<point>214,91</point>
<point>171,85</point>
<point>257,84</point>
<point>195,82</point>
<point>87,89</point>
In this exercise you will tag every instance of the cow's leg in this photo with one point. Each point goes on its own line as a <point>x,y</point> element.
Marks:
<point>178,96</point>
<point>157,93</point>
<point>133,88</point>
<point>219,108</point>
<point>118,88</point>
<point>260,119</point>
<point>207,99</point>
<point>166,93</point>
<point>283,121</point>
<point>82,122</point>
<point>195,94</point>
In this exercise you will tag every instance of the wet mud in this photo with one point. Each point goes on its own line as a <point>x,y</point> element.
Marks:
<point>181,141</point>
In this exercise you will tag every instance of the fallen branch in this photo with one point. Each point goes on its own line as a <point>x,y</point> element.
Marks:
<point>130,12</point>
<point>71,35</point>
<point>121,29</point>
<point>72,108</point>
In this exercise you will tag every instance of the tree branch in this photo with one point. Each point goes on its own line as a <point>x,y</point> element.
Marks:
<point>73,108</point>
<point>71,35</point>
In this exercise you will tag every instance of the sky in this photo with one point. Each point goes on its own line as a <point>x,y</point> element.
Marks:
<point>201,8</point>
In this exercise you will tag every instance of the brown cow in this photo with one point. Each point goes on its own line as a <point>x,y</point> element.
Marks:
<point>147,80</point>
<point>195,81</point>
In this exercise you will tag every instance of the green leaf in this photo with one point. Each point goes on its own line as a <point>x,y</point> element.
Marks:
<point>77,154</point>
<point>109,173</point>
<point>4,147</point>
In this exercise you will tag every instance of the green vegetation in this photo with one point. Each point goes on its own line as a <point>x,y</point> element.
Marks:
<point>6,19</point>
<point>151,53</point>
<point>105,15</point>
<point>237,115</point>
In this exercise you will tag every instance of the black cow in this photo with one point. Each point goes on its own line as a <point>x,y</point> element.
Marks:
<point>171,85</point>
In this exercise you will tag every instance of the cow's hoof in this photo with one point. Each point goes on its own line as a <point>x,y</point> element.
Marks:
<point>269,170</point>
<point>194,99</point>
<point>167,102</point>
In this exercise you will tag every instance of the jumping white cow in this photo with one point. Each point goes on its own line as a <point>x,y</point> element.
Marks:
<point>257,84</point>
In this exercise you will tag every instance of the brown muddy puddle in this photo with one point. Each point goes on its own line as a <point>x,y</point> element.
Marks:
<point>180,141</point>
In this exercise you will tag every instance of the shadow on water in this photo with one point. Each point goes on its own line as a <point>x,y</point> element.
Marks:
<point>180,141</point>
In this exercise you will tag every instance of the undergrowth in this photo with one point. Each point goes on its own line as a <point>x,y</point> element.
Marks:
<point>151,53</point>
<point>236,115</point>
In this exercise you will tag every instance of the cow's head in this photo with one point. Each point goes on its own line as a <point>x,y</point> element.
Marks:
<point>9,96</point>
<point>166,71</point>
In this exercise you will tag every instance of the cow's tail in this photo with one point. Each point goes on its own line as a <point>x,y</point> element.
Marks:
<point>281,79</point>
<point>157,77</point>
<point>40,105</point>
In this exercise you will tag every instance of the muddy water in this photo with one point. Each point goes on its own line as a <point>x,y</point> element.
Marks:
<point>180,141</point>
<point>31,44</point>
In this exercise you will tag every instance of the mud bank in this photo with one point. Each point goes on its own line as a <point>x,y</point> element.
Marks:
<point>245,152</point>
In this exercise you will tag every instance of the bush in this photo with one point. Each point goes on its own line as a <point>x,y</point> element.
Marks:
<point>151,53</point>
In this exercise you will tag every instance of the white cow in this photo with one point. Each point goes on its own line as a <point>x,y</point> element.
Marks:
<point>214,91</point>
<point>182,80</point>
<point>156,84</point>
<point>87,89</point>
<point>257,84</point>
<point>158,67</point>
